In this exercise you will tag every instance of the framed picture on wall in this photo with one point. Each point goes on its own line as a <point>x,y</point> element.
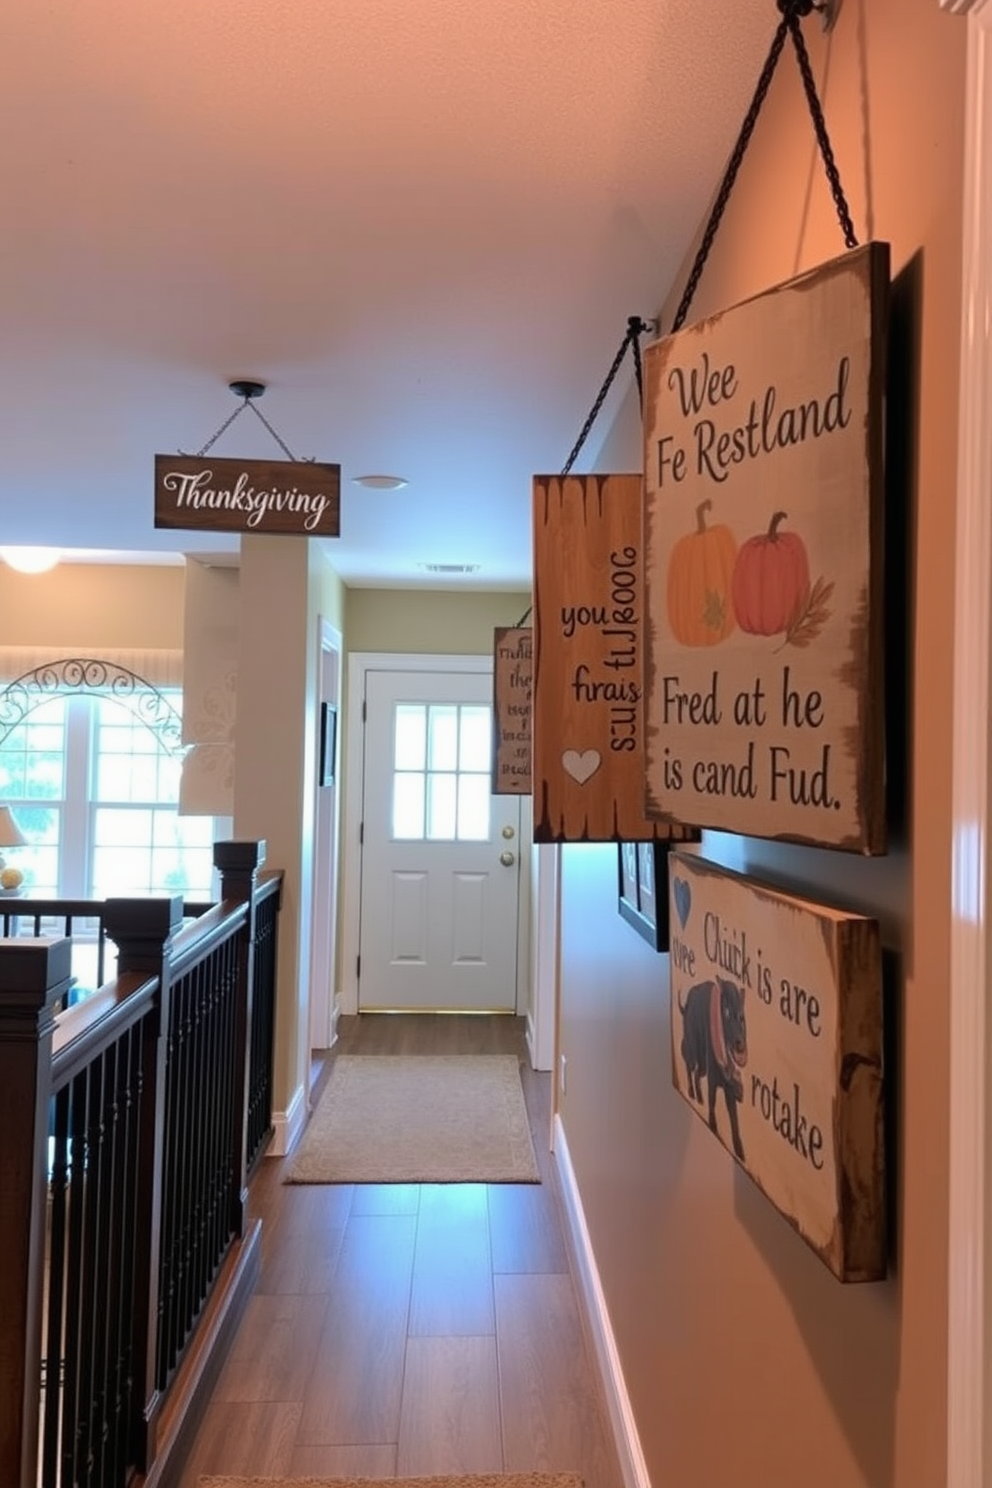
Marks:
<point>641,867</point>
<point>328,744</point>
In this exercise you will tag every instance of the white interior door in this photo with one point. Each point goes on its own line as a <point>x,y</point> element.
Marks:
<point>440,853</point>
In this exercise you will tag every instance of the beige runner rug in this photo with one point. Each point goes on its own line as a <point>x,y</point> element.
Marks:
<point>423,1118</point>
<point>473,1480</point>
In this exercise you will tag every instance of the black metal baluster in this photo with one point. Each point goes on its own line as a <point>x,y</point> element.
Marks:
<point>58,1188</point>
<point>92,1269</point>
<point>170,1188</point>
<point>214,1125</point>
<point>235,1064</point>
<point>75,1291</point>
<point>131,1413</point>
<point>193,1116</point>
<point>229,1179</point>
<point>108,1273</point>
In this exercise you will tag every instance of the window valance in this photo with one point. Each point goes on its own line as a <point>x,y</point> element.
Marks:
<point>161,668</point>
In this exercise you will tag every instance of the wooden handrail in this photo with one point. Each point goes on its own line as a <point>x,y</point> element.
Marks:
<point>126,1123</point>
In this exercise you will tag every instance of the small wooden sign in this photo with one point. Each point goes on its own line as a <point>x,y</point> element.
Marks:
<point>513,655</point>
<point>300,498</point>
<point>588,662</point>
<point>764,677</point>
<point>777,1044</point>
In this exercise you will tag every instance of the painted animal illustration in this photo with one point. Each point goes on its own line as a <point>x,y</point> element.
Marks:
<point>714,1045</point>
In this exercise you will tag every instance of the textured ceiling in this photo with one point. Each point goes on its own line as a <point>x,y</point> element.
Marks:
<point>423,223</point>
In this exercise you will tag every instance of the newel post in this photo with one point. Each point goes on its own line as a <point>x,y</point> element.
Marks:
<point>238,864</point>
<point>143,930</point>
<point>34,977</point>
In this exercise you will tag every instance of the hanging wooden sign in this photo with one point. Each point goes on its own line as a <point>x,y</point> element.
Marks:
<point>776,1008</point>
<point>512,678</point>
<point>300,498</point>
<point>764,678</point>
<point>588,662</point>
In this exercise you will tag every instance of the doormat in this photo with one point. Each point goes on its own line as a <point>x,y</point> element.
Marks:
<point>473,1480</point>
<point>422,1118</point>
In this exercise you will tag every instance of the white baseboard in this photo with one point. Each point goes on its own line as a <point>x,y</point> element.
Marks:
<point>628,1443</point>
<point>335,1020</point>
<point>530,1038</point>
<point>288,1124</point>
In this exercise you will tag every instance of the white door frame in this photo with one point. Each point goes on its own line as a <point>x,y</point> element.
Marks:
<point>326,818</point>
<point>359,663</point>
<point>969,1333</point>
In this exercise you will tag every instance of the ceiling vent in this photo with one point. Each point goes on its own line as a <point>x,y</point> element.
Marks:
<point>450,568</point>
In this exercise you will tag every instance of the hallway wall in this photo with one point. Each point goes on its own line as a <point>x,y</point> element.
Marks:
<point>743,1357</point>
<point>87,605</point>
<point>457,622</point>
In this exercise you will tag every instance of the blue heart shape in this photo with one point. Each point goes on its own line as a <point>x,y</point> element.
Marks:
<point>683,899</point>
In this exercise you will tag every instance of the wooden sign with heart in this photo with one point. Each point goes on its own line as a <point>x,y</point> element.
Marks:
<point>588,736</point>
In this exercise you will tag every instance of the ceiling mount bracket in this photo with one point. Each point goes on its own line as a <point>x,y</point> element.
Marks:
<point>245,388</point>
<point>827,10</point>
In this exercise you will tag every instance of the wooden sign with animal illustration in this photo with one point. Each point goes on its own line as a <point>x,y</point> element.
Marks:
<point>513,657</point>
<point>776,1010</point>
<point>588,732</point>
<point>763,533</point>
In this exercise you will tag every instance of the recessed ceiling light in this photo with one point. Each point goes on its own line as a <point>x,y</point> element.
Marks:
<point>450,568</point>
<point>380,482</point>
<point>30,560</point>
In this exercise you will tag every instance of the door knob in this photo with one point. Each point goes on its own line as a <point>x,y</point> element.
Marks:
<point>507,859</point>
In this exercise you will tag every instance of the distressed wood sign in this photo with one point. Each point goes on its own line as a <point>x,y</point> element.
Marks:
<point>300,498</point>
<point>763,531</point>
<point>588,745</point>
<point>776,1008</point>
<point>513,655</point>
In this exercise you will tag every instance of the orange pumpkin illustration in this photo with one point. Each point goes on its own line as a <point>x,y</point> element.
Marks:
<point>700,573</point>
<point>771,580</point>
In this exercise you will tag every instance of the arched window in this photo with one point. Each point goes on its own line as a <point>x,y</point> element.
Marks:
<point>90,761</point>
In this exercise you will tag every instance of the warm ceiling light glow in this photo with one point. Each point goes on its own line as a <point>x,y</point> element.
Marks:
<point>30,560</point>
<point>380,482</point>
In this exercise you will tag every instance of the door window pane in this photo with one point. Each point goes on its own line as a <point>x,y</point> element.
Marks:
<point>441,772</point>
<point>476,740</point>
<point>408,807</point>
<point>474,793</point>
<point>410,747</point>
<point>442,813</point>
<point>444,738</point>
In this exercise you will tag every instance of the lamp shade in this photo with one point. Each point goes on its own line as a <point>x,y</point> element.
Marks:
<point>10,833</point>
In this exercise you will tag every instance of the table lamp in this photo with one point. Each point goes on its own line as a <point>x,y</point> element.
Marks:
<point>10,836</point>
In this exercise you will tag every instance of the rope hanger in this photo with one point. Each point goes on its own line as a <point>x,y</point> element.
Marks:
<point>792,13</point>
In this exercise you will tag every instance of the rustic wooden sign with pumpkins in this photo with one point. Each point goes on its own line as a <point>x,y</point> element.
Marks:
<point>776,1012</point>
<point>763,532</point>
<point>513,663</point>
<point>588,732</point>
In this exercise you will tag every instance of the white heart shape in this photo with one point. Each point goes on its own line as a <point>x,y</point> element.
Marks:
<point>582,766</point>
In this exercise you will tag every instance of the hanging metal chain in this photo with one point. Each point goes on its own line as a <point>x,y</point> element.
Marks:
<point>277,437</point>
<point>820,125</point>
<point>791,10</point>
<point>635,327</point>
<point>730,174</point>
<point>225,425</point>
<point>249,403</point>
<point>635,346</point>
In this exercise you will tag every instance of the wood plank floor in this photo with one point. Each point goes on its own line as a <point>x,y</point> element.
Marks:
<point>403,1330</point>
